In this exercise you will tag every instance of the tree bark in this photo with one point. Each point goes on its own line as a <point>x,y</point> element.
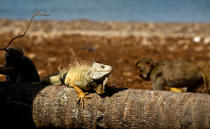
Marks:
<point>32,105</point>
<point>56,106</point>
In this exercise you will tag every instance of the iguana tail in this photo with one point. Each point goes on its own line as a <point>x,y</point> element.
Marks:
<point>55,79</point>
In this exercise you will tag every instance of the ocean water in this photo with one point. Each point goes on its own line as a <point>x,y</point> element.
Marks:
<point>110,10</point>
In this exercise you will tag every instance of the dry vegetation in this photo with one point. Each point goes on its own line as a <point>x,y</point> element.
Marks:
<point>51,44</point>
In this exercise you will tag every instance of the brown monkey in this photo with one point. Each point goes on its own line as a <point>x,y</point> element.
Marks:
<point>205,68</point>
<point>173,74</point>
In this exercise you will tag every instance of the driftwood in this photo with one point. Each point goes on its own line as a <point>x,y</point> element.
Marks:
<point>55,106</point>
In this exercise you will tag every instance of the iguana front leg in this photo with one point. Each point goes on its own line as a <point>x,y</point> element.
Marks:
<point>100,88</point>
<point>82,96</point>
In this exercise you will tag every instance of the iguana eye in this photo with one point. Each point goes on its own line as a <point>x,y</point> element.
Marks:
<point>102,66</point>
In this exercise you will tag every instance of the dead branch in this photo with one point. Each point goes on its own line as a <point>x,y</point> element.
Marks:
<point>35,14</point>
<point>5,70</point>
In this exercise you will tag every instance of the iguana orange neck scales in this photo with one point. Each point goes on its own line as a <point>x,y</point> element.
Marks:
<point>84,76</point>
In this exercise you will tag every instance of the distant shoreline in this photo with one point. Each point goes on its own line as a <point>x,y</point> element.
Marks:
<point>109,28</point>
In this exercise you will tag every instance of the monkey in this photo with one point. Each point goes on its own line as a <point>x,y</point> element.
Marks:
<point>205,68</point>
<point>176,74</point>
<point>19,68</point>
<point>23,68</point>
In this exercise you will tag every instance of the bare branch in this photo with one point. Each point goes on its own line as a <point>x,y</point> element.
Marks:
<point>35,14</point>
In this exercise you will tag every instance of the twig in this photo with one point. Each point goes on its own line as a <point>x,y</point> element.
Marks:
<point>35,14</point>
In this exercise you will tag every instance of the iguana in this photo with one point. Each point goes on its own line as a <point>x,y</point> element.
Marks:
<point>83,75</point>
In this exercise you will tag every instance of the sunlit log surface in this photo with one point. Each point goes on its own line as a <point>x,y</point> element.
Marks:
<point>56,106</point>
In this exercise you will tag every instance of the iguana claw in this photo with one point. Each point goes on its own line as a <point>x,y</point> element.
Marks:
<point>82,97</point>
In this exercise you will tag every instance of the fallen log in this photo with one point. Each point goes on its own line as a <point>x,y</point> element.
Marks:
<point>56,106</point>
<point>32,105</point>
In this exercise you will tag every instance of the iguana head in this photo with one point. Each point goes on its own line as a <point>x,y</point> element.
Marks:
<point>98,71</point>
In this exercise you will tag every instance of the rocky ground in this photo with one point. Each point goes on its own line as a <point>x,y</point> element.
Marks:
<point>51,44</point>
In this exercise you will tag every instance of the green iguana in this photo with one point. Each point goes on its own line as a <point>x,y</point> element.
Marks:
<point>83,75</point>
